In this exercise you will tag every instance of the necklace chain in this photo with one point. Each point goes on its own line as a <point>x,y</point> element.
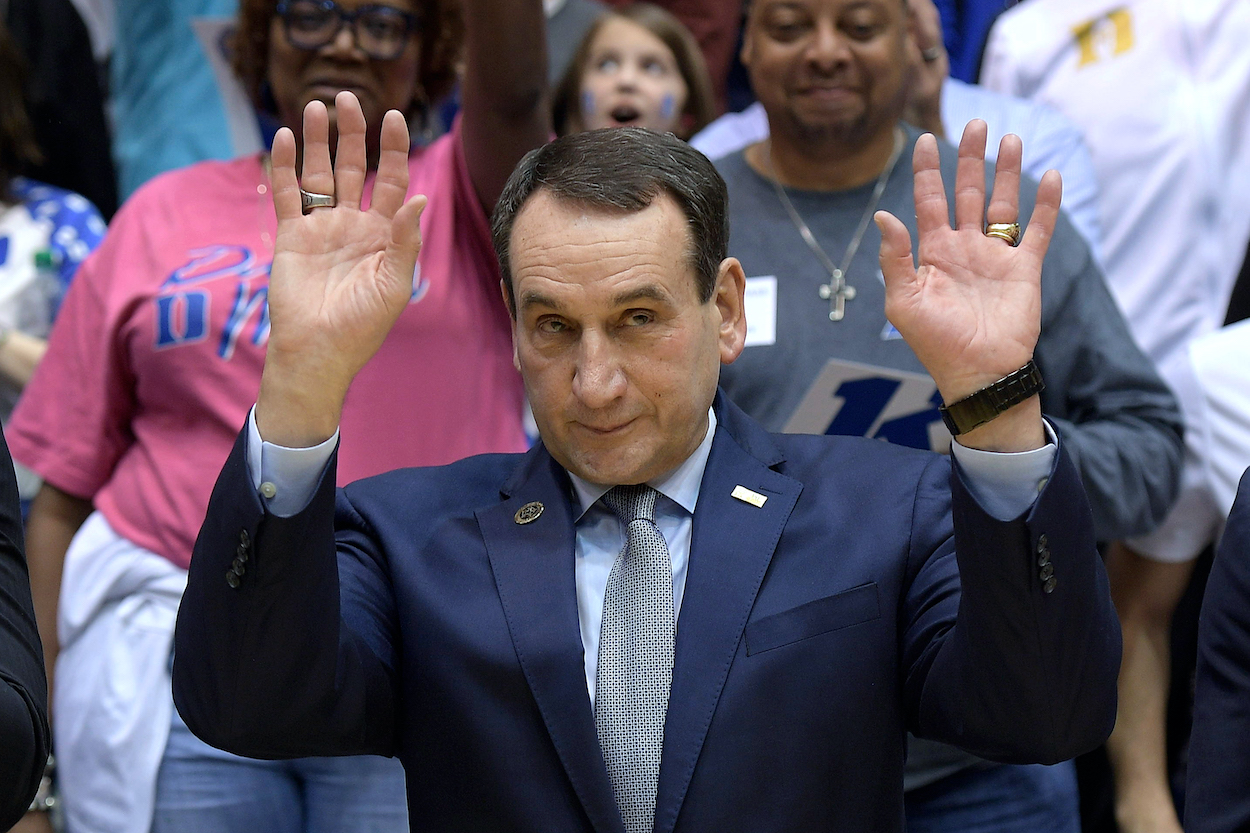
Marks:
<point>837,292</point>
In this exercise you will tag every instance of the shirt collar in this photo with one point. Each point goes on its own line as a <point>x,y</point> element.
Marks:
<point>681,485</point>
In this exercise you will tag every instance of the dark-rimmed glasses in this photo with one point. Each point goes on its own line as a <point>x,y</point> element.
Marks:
<point>381,32</point>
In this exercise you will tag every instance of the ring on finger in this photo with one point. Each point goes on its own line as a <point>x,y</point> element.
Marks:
<point>1004,231</point>
<point>309,200</point>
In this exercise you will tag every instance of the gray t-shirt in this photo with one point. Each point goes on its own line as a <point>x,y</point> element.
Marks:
<point>1114,414</point>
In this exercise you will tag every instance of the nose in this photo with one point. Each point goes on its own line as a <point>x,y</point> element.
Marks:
<point>344,42</point>
<point>598,378</point>
<point>627,75</point>
<point>828,47</point>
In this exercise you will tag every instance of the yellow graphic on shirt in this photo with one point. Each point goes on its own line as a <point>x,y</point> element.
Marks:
<point>1103,37</point>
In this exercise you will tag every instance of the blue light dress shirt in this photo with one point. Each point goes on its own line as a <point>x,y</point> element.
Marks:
<point>1005,485</point>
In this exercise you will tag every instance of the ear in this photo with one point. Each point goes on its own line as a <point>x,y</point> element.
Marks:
<point>728,296</point>
<point>507,302</point>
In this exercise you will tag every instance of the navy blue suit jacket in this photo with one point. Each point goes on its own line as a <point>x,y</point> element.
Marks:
<point>1217,793</point>
<point>417,617</point>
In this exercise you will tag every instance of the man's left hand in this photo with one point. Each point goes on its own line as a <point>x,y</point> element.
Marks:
<point>972,310</point>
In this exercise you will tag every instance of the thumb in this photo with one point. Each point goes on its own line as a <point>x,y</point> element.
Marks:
<point>897,266</point>
<point>405,244</point>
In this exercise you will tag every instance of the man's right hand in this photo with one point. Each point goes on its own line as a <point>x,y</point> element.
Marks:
<point>341,276</point>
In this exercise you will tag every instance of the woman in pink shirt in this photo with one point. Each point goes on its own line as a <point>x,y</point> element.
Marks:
<point>156,360</point>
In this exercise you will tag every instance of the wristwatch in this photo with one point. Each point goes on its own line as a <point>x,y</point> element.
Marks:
<point>981,407</point>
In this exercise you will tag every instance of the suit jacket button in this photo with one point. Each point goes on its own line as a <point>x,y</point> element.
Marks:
<point>1047,571</point>
<point>245,540</point>
<point>241,552</point>
<point>237,567</point>
<point>232,579</point>
<point>1044,558</point>
<point>1043,544</point>
<point>1049,585</point>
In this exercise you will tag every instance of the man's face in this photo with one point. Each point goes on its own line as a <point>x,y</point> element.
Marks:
<point>619,357</point>
<point>828,69</point>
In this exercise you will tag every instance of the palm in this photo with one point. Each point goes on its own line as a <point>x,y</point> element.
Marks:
<point>971,311</point>
<point>341,276</point>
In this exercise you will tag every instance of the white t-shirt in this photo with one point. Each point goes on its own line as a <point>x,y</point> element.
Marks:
<point>1160,90</point>
<point>1213,380</point>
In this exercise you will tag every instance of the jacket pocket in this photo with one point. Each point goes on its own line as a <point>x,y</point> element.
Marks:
<point>841,610</point>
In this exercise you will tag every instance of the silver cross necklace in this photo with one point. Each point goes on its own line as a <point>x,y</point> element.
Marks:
<point>837,292</point>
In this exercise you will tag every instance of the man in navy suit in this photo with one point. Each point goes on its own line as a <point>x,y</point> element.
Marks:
<point>828,593</point>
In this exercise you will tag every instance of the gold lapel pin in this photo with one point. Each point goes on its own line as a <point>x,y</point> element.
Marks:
<point>745,495</point>
<point>528,513</point>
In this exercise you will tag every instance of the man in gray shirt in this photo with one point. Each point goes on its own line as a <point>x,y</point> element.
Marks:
<point>832,76</point>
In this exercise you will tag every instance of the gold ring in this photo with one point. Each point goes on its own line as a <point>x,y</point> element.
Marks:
<point>1004,231</point>
<point>309,200</point>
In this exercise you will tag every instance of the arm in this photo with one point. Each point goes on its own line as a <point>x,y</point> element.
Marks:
<point>506,112</point>
<point>1216,799</point>
<point>1026,675</point>
<point>55,517</point>
<point>24,738</point>
<point>19,356</point>
<point>340,278</point>
<point>1120,421</point>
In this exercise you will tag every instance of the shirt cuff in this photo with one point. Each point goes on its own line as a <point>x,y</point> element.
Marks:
<point>1006,484</point>
<point>286,478</point>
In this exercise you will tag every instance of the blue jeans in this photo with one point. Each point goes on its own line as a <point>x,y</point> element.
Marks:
<point>203,790</point>
<point>999,799</point>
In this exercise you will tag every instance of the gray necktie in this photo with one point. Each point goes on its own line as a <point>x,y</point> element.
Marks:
<point>635,668</point>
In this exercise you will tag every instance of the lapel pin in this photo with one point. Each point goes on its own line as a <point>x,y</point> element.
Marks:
<point>745,495</point>
<point>528,513</point>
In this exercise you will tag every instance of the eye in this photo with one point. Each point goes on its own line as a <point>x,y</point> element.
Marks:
<point>638,318</point>
<point>654,66</point>
<point>551,326</point>
<point>787,29</point>
<point>608,63</point>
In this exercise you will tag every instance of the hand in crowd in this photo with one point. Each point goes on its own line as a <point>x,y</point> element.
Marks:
<point>972,310</point>
<point>341,275</point>
<point>930,65</point>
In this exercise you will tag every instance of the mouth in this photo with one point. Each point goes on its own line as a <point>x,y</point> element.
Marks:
<point>624,114</point>
<point>605,430</point>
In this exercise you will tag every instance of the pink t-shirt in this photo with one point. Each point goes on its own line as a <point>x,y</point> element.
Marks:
<point>157,353</point>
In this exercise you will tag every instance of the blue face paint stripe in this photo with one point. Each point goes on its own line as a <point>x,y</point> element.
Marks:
<point>668,104</point>
<point>588,102</point>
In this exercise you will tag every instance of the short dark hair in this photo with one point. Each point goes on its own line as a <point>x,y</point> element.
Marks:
<point>623,169</point>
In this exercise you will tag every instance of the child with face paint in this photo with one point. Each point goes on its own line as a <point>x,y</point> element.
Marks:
<point>636,66</point>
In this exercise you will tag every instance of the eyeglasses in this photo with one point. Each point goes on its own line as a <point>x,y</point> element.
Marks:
<point>381,32</point>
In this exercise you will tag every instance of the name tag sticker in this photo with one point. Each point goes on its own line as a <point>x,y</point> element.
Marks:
<point>761,311</point>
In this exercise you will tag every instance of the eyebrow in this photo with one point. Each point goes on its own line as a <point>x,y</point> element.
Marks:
<point>650,292</point>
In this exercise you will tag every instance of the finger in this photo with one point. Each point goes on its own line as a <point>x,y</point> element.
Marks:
<point>970,178</point>
<point>897,266</point>
<point>1045,215</point>
<point>390,187</point>
<point>349,156</point>
<point>405,245</point>
<point>929,192</point>
<point>1005,201</point>
<point>286,201</point>
<point>317,176</point>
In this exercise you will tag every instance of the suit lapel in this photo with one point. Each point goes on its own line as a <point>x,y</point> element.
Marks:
<point>731,548</point>
<point>534,573</point>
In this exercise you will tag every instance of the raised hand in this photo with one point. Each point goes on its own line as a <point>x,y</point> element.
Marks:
<point>341,276</point>
<point>971,311</point>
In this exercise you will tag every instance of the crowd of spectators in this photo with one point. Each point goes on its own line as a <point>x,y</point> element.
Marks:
<point>158,118</point>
